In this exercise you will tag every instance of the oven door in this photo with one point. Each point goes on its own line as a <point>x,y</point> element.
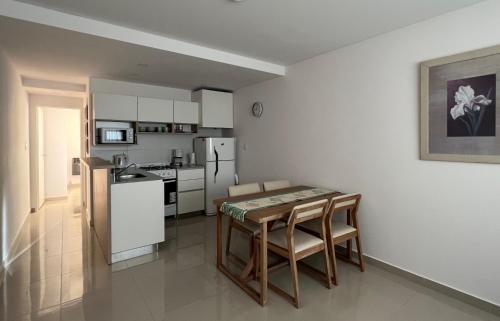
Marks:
<point>170,191</point>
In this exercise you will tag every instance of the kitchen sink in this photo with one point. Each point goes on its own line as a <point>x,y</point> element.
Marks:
<point>130,176</point>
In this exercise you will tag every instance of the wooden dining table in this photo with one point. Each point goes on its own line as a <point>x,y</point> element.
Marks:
<point>261,216</point>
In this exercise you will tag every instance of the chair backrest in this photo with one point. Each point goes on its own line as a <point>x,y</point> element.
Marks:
<point>308,211</point>
<point>343,203</point>
<point>272,185</point>
<point>237,190</point>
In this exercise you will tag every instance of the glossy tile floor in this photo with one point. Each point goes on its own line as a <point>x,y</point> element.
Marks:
<point>63,276</point>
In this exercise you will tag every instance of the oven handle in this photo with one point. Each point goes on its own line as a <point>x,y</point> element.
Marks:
<point>169,180</point>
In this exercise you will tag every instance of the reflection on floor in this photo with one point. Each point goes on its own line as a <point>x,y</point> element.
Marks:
<point>63,276</point>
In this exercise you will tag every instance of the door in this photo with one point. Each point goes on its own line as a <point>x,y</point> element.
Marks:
<point>41,158</point>
<point>217,180</point>
<point>220,149</point>
<point>155,110</point>
<point>185,112</point>
<point>56,152</point>
<point>114,107</point>
<point>216,108</point>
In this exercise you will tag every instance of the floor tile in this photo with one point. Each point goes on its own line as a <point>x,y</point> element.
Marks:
<point>64,276</point>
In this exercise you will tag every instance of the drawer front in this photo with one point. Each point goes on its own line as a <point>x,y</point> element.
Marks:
<point>187,174</point>
<point>190,201</point>
<point>190,185</point>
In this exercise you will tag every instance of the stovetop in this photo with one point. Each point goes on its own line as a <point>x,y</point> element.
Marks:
<point>154,166</point>
<point>161,169</point>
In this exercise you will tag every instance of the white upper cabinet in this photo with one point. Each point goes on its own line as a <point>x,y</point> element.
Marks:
<point>155,110</point>
<point>114,107</point>
<point>216,108</point>
<point>185,112</point>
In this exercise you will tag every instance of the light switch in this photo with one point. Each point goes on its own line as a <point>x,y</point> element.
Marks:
<point>244,147</point>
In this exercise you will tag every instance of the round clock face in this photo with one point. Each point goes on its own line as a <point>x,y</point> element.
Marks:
<point>257,109</point>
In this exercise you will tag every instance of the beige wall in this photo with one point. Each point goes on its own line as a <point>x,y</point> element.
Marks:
<point>14,161</point>
<point>349,120</point>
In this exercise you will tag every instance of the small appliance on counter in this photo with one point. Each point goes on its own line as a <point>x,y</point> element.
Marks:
<point>120,160</point>
<point>192,159</point>
<point>177,157</point>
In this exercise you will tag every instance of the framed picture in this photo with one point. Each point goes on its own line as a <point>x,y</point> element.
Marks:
<point>459,116</point>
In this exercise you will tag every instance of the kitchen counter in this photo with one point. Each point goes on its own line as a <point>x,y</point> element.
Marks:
<point>147,176</point>
<point>97,163</point>
<point>188,167</point>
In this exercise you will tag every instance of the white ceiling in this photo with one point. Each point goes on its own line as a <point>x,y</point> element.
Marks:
<point>44,52</point>
<point>279,31</point>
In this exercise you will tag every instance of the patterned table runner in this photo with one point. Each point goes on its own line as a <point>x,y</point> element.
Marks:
<point>238,209</point>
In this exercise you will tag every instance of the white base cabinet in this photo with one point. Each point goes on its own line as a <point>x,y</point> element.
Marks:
<point>190,190</point>
<point>136,221</point>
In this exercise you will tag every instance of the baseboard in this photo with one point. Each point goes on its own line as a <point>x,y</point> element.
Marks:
<point>457,294</point>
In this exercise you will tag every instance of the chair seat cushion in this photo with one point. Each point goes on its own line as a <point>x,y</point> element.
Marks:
<point>278,224</point>
<point>338,228</point>
<point>251,227</point>
<point>302,240</point>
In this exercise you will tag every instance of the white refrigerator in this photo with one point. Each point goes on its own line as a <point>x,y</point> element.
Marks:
<point>217,155</point>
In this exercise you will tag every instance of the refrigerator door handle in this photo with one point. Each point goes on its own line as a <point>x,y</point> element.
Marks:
<point>216,165</point>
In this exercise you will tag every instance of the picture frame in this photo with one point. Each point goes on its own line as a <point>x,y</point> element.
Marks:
<point>459,112</point>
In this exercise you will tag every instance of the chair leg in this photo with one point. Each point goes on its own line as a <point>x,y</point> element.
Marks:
<point>228,241</point>
<point>334,262</point>
<point>295,281</point>
<point>328,268</point>
<point>257,259</point>
<point>251,240</point>
<point>360,254</point>
<point>349,242</point>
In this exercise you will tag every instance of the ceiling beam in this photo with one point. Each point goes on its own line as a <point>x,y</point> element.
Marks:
<point>32,13</point>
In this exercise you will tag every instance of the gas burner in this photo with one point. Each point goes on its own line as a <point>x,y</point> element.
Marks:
<point>161,169</point>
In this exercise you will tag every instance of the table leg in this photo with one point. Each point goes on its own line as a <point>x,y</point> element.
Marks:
<point>219,238</point>
<point>263,263</point>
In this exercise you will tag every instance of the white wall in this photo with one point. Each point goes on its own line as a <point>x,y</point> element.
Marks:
<point>137,89</point>
<point>73,142</point>
<point>14,164</point>
<point>349,119</point>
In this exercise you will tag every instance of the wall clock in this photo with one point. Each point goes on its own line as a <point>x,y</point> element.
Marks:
<point>257,109</point>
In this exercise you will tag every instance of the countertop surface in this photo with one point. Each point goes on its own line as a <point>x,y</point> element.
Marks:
<point>97,163</point>
<point>147,176</point>
<point>188,167</point>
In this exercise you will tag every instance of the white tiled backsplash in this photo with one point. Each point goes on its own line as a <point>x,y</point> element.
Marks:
<point>154,147</point>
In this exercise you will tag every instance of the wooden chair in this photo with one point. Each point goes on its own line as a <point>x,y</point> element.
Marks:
<point>247,228</point>
<point>295,245</point>
<point>273,185</point>
<point>339,232</point>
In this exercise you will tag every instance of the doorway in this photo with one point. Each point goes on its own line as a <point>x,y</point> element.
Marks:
<point>58,156</point>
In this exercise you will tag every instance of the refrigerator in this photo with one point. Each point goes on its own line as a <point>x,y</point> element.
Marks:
<point>217,155</point>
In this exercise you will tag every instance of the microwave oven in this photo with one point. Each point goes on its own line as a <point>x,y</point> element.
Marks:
<point>115,135</point>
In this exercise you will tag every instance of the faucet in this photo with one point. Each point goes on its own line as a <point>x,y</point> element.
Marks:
<point>123,170</point>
